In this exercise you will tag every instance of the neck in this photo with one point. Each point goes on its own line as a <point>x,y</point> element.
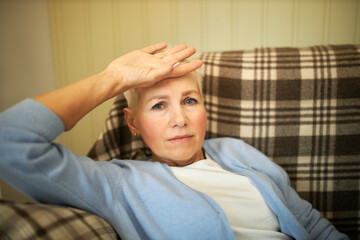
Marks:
<point>180,163</point>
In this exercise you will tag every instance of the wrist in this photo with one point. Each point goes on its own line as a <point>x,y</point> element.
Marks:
<point>110,85</point>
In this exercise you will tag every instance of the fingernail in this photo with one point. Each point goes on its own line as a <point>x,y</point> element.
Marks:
<point>176,64</point>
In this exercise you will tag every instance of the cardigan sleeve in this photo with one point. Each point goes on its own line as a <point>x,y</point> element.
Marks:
<point>46,171</point>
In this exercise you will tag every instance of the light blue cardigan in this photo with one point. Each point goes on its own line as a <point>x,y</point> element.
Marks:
<point>142,200</point>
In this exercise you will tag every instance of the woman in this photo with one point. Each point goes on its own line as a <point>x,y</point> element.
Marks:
<point>236,192</point>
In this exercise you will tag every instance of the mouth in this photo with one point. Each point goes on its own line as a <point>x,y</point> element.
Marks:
<point>181,138</point>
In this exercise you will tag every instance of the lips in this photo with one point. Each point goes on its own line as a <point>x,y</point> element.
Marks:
<point>181,138</point>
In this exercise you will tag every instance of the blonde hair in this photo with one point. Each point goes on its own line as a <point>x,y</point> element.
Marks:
<point>132,95</point>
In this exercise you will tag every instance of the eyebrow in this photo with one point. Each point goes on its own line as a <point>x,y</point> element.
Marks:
<point>157,97</point>
<point>190,92</point>
<point>164,97</point>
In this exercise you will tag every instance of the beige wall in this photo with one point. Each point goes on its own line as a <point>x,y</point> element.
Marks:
<point>87,34</point>
<point>26,68</point>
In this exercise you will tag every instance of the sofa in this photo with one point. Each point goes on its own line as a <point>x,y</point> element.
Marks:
<point>299,106</point>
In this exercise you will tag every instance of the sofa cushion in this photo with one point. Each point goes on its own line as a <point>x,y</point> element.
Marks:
<point>299,106</point>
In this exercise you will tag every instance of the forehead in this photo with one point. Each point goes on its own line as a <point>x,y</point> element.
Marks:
<point>171,86</point>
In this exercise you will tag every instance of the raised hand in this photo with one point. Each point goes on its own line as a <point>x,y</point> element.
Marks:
<point>146,66</point>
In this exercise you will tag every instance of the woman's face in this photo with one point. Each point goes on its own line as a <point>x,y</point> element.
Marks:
<point>171,118</point>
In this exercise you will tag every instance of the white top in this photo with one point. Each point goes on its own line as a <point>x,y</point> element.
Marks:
<point>247,212</point>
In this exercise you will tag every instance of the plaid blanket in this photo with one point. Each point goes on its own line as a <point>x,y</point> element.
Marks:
<point>41,221</point>
<point>299,106</point>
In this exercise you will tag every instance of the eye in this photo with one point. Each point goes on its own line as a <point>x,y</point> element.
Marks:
<point>190,101</point>
<point>158,106</point>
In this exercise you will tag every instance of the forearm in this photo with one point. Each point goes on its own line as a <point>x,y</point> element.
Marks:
<point>310,218</point>
<point>73,102</point>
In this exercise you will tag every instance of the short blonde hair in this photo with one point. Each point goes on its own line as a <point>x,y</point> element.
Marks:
<point>132,95</point>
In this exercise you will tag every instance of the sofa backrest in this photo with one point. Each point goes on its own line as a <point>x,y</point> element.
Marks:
<point>299,106</point>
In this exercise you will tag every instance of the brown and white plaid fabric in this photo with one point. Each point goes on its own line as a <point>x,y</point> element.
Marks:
<point>41,221</point>
<point>299,106</point>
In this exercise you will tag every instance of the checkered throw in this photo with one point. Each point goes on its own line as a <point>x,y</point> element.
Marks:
<point>41,221</point>
<point>299,106</point>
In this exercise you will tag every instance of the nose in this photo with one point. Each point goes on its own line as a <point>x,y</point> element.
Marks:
<point>178,117</point>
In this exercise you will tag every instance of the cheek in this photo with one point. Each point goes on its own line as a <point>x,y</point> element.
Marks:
<point>150,129</point>
<point>200,121</point>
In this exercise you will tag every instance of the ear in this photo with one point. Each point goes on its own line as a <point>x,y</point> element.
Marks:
<point>130,119</point>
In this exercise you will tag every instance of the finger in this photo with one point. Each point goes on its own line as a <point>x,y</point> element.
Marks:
<point>157,74</point>
<point>154,48</point>
<point>169,71</point>
<point>172,50</point>
<point>181,55</point>
<point>183,69</point>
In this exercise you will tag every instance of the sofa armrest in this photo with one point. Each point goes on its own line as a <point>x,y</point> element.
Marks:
<point>42,221</point>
